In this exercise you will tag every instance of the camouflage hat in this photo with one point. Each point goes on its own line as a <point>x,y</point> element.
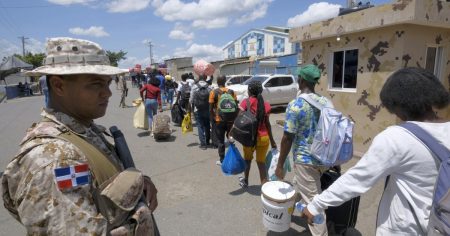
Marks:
<point>67,56</point>
<point>310,73</point>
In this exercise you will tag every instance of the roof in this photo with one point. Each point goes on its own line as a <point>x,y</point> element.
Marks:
<point>419,12</point>
<point>271,30</point>
<point>12,62</point>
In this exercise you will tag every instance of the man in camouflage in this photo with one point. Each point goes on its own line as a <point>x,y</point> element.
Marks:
<point>78,76</point>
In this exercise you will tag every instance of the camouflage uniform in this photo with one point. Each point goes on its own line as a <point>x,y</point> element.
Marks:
<point>30,186</point>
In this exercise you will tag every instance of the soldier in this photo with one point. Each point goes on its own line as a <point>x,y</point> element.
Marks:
<point>67,178</point>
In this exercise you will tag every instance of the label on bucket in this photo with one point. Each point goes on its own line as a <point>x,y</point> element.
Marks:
<point>277,216</point>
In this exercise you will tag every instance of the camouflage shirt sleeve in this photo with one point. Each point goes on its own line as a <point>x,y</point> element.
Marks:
<point>42,207</point>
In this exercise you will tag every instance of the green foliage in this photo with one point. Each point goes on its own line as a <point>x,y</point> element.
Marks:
<point>34,59</point>
<point>115,57</point>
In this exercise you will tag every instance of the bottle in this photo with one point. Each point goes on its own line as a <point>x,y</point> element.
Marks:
<point>318,219</point>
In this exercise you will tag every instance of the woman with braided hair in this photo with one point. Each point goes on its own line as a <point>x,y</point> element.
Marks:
<point>261,110</point>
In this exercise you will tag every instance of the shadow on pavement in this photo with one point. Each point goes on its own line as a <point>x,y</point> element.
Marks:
<point>254,190</point>
<point>278,109</point>
<point>193,144</point>
<point>143,134</point>
<point>298,221</point>
<point>172,138</point>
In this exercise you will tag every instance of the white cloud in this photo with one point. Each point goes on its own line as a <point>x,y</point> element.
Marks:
<point>95,31</point>
<point>69,2</point>
<point>315,12</point>
<point>130,62</point>
<point>211,23</point>
<point>207,52</point>
<point>8,48</point>
<point>123,6</point>
<point>211,13</point>
<point>179,34</point>
<point>259,12</point>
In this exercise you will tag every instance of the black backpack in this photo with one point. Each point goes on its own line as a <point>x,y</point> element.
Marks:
<point>201,98</point>
<point>185,91</point>
<point>245,127</point>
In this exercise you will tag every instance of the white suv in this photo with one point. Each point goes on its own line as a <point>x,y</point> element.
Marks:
<point>277,89</point>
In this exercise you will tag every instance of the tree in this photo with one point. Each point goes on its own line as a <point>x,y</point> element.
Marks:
<point>115,57</point>
<point>34,59</point>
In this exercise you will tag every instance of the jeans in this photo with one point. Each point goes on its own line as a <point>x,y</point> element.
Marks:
<point>203,125</point>
<point>170,93</point>
<point>151,106</point>
<point>46,97</point>
<point>222,130</point>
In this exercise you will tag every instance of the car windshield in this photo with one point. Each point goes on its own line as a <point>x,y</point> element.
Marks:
<point>256,78</point>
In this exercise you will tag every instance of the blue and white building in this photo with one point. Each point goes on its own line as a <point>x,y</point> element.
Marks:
<point>260,43</point>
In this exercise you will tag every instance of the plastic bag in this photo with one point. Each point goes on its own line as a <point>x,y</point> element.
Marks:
<point>271,164</point>
<point>140,119</point>
<point>186,125</point>
<point>233,163</point>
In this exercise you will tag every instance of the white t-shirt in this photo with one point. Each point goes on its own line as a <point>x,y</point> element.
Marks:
<point>412,169</point>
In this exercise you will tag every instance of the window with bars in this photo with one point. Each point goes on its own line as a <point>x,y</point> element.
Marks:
<point>434,60</point>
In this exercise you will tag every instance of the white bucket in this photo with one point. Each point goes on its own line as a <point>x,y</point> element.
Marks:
<point>278,203</point>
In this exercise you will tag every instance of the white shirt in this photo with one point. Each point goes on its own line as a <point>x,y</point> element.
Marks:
<point>181,84</point>
<point>413,171</point>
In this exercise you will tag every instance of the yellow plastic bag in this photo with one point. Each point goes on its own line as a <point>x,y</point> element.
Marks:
<point>186,125</point>
<point>140,119</point>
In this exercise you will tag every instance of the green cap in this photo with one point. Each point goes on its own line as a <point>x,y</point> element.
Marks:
<point>310,73</point>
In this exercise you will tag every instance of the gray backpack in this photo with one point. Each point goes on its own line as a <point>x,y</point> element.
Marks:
<point>439,223</point>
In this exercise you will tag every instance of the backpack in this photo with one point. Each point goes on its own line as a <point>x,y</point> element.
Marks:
<point>226,105</point>
<point>245,127</point>
<point>333,141</point>
<point>201,98</point>
<point>439,222</point>
<point>185,91</point>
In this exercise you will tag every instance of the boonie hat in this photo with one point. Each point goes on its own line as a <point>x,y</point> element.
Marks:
<point>310,73</point>
<point>68,56</point>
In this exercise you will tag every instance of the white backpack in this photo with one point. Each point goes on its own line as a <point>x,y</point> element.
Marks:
<point>333,140</point>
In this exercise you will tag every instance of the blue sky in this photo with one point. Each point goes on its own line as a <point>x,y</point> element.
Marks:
<point>175,27</point>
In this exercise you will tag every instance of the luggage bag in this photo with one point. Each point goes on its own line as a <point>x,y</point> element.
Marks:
<point>343,217</point>
<point>161,127</point>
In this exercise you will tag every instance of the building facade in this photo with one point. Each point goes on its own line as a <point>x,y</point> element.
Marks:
<point>358,51</point>
<point>271,41</point>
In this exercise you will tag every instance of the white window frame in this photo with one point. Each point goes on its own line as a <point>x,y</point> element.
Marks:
<point>438,60</point>
<point>330,72</point>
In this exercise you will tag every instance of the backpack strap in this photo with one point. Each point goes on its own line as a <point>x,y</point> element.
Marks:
<point>439,150</point>
<point>217,92</point>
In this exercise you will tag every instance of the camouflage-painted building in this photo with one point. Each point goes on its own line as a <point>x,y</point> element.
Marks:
<point>356,53</point>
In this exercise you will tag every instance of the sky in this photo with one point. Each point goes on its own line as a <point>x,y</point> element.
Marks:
<point>176,28</point>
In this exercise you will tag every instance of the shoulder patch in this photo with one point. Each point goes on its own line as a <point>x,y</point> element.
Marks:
<point>72,176</point>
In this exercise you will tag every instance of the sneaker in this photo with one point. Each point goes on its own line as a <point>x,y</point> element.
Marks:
<point>219,163</point>
<point>243,182</point>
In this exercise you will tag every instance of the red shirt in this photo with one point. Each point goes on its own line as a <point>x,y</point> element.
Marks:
<point>262,129</point>
<point>151,92</point>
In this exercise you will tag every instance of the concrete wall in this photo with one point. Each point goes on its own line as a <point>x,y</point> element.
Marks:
<point>236,69</point>
<point>177,66</point>
<point>381,52</point>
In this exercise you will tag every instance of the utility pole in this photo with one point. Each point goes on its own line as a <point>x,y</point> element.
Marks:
<point>150,46</point>
<point>23,45</point>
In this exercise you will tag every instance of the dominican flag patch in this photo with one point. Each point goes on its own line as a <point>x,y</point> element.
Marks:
<point>72,176</point>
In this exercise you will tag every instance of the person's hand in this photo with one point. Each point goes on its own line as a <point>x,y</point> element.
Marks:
<point>308,216</point>
<point>279,172</point>
<point>150,192</point>
<point>274,146</point>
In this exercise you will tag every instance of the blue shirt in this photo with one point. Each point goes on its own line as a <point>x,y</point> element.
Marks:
<point>301,120</point>
<point>161,80</point>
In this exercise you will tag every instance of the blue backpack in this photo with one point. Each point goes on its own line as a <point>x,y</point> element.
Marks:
<point>439,223</point>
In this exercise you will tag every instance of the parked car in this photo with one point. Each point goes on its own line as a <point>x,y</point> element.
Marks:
<point>236,79</point>
<point>277,89</point>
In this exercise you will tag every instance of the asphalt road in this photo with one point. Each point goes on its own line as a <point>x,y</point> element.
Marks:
<point>195,198</point>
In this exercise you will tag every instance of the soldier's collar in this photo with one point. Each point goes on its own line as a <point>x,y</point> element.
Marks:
<point>64,120</point>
